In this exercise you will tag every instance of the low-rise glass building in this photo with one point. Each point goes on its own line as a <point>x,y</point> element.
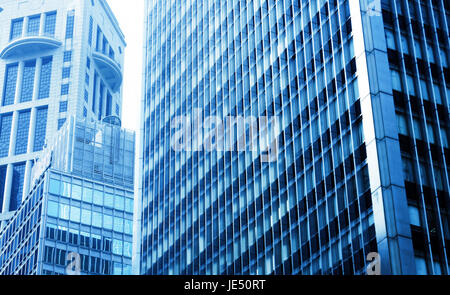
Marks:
<point>78,217</point>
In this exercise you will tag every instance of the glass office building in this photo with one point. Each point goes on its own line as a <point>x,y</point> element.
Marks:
<point>362,90</point>
<point>78,216</point>
<point>57,59</point>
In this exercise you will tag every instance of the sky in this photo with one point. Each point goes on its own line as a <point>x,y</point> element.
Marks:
<point>130,15</point>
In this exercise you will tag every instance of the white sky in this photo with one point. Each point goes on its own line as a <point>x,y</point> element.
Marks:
<point>130,14</point>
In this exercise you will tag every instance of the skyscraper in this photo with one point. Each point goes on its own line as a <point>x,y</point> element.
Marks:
<point>78,216</point>
<point>362,92</point>
<point>57,59</point>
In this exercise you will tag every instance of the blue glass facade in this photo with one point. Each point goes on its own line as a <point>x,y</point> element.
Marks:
<point>417,43</point>
<point>333,195</point>
<point>83,209</point>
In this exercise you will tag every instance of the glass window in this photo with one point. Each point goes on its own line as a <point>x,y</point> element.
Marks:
<point>86,216</point>
<point>28,81</point>
<point>127,249</point>
<point>107,222</point>
<point>64,211</point>
<point>54,186</point>
<point>66,72</point>
<point>34,23</point>
<point>109,200</point>
<point>396,81</point>
<point>52,209</point>
<point>23,127</point>
<point>70,24</point>
<point>9,89</point>
<point>117,268</point>
<point>16,28</point>
<point>421,266</point>
<point>65,189</point>
<point>402,124</point>
<point>5,134</point>
<point>424,88</point>
<point>64,89</point>
<point>50,24</point>
<point>96,219</point>
<point>67,56</point>
<point>129,205</point>
<point>117,247</point>
<point>76,192</point>
<point>128,227</point>
<point>63,106</point>
<point>87,195</point>
<point>390,39</point>
<point>98,197</point>
<point>118,224</point>
<point>119,203</point>
<point>414,215</point>
<point>75,214</point>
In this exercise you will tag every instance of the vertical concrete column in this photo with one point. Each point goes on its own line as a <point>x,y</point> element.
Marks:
<point>19,82</point>
<point>25,27</point>
<point>8,187</point>
<point>30,150</point>
<point>37,79</point>
<point>41,25</point>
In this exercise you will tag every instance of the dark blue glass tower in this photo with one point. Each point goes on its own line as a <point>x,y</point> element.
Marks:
<point>361,89</point>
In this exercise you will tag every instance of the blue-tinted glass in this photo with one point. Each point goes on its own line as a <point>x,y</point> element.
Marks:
<point>17,186</point>
<point>63,106</point>
<point>64,89</point>
<point>84,112</point>
<point>45,79</point>
<point>5,133</point>
<point>107,222</point>
<point>70,24</point>
<point>16,28</point>
<point>28,81</point>
<point>67,56</point>
<point>23,127</point>
<point>66,72</point>
<point>118,224</point>
<point>54,186</point>
<point>52,209</point>
<point>41,129</point>
<point>117,110</point>
<point>9,89</point>
<point>86,96</point>
<point>50,24</point>
<point>33,25</point>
